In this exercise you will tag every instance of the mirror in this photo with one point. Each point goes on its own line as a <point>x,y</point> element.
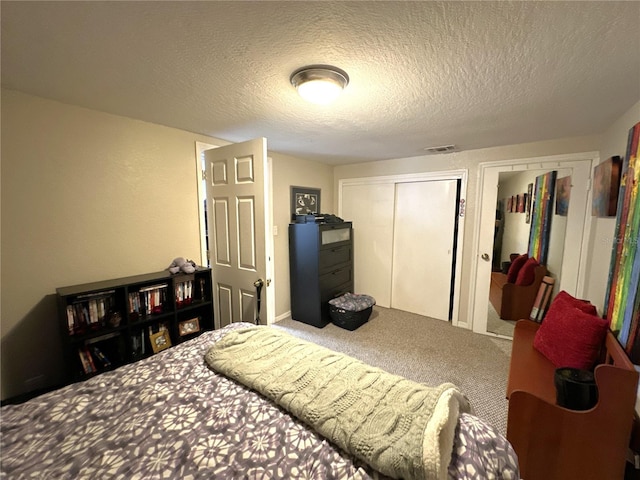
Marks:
<point>514,209</point>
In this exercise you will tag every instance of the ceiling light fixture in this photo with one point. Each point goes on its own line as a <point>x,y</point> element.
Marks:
<point>319,84</point>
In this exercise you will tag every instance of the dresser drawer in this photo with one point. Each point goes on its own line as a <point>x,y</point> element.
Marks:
<point>332,257</point>
<point>335,234</point>
<point>335,278</point>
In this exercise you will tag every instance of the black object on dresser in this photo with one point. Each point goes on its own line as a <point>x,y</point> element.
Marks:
<point>114,322</point>
<point>321,268</point>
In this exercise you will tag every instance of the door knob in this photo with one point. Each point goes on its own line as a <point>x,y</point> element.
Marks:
<point>485,257</point>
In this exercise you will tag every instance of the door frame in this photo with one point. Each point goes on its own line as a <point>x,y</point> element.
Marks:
<point>270,303</point>
<point>458,174</point>
<point>478,304</point>
<point>202,196</point>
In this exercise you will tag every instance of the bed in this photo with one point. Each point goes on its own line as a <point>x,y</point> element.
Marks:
<point>172,416</point>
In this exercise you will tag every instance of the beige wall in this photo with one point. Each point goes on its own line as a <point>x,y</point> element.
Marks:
<point>88,196</point>
<point>288,172</point>
<point>465,160</point>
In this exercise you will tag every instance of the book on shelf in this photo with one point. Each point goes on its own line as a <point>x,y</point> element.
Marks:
<point>148,300</point>
<point>71,321</point>
<point>90,359</point>
<point>138,343</point>
<point>183,293</point>
<point>89,312</point>
<point>102,358</point>
<point>543,299</point>
<point>84,360</point>
<point>93,311</point>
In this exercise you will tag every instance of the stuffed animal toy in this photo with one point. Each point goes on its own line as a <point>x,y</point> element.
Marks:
<point>180,264</point>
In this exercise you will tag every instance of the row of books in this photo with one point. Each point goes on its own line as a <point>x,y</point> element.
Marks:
<point>184,292</point>
<point>89,313</point>
<point>92,359</point>
<point>543,300</point>
<point>148,300</point>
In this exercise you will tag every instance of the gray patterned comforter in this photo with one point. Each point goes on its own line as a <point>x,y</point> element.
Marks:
<point>171,417</point>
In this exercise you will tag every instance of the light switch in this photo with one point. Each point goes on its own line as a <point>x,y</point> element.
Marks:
<point>275,230</point>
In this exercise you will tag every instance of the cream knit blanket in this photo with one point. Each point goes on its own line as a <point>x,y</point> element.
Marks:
<point>401,428</point>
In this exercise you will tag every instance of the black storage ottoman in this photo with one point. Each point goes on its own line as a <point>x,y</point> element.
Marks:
<point>351,310</point>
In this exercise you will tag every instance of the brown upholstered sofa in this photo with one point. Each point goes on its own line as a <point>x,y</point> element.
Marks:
<point>553,442</point>
<point>514,302</point>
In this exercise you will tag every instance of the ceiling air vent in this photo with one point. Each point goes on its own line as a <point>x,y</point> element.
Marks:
<point>441,149</point>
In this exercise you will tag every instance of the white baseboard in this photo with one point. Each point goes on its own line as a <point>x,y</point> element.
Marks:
<point>284,316</point>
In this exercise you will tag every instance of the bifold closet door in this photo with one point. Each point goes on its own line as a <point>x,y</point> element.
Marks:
<point>370,207</point>
<point>423,241</point>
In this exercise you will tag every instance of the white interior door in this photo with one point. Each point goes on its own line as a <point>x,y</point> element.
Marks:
<point>424,230</point>
<point>238,222</point>
<point>371,208</point>
<point>489,195</point>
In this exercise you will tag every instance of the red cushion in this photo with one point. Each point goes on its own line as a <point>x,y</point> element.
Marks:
<point>527,273</point>
<point>569,336</point>
<point>514,268</point>
<point>584,305</point>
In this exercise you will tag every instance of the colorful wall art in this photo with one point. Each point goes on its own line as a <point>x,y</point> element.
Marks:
<point>563,195</point>
<point>622,302</point>
<point>541,216</point>
<point>606,184</point>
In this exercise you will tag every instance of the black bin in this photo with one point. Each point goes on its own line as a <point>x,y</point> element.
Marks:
<point>575,389</point>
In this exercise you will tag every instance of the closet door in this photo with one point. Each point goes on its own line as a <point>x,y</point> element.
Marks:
<point>370,207</point>
<point>423,242</point>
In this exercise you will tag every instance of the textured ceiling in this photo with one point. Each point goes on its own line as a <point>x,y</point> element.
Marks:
<point>473,74</point>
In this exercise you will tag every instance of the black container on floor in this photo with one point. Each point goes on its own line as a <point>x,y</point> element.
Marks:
<point>347,319</point>
<point>575,389</point>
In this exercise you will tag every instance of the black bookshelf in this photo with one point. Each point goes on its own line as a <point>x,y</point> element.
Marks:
<point>114,322</point>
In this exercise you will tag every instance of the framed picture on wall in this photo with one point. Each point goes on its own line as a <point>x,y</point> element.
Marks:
<point>528,203</point>
<point>606,182</point>
<point>563,195</point>
<point>304,201</point>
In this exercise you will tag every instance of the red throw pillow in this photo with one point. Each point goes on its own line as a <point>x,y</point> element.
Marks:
<point>527,273</point>
<point>584,305</point>
<point>569,336</point>
<point>514,268</point>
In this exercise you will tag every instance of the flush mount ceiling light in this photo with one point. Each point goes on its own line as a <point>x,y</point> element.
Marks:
<point>319,84</point>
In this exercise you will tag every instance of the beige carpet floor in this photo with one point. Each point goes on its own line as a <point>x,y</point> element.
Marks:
<point>498,326</point>
<point>425,350</point>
